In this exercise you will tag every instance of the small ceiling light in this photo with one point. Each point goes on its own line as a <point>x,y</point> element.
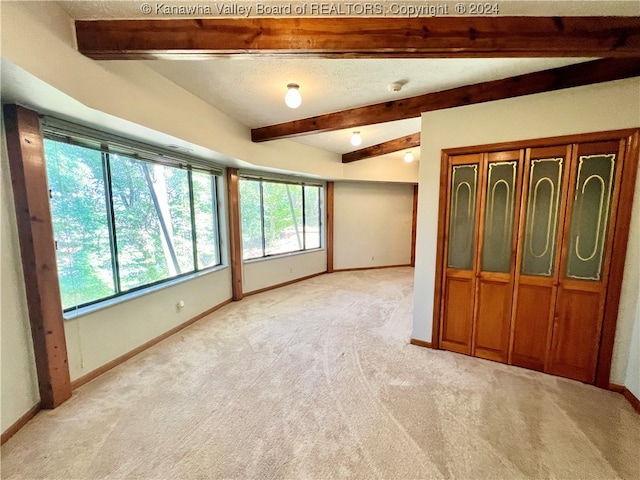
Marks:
<point>408,157</point>
<point>292,97</point>
<point>356,139</point>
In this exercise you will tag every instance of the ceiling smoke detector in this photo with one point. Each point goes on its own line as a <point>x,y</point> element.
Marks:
<point>395,87</point>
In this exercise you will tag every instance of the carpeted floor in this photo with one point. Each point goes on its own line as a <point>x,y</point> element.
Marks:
<point>317,381</point>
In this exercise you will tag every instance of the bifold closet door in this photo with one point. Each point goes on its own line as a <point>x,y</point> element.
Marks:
<point>544,190</point>
<point>529,274</point>
<point>499,209</point>
<point>460,239</point>
<point>586,253</point>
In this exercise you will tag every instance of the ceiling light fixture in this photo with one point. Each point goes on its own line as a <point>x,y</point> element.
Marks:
<point>408,157</point>
<point>293,99</point>
<point>356,139</point>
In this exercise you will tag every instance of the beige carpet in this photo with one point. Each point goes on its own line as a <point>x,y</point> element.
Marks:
<point>317,381</point>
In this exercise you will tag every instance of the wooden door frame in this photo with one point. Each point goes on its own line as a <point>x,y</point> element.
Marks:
<point>620,230</point>
<point>618,257</point>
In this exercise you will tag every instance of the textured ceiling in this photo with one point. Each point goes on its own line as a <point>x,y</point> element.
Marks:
<point>251,90</point>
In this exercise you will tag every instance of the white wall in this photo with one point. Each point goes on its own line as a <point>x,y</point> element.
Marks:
<point>632,378</point>
<point>628,329</point>
<point>263,273</point>
<point>18,369</point>
<point>99,337</point>
<point>631,289</point>
<point>372,224</point>
<point>382,168</point>
<point>606,106</point>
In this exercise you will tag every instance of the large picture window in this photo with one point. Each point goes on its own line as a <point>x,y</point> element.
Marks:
<point>123,223</point>
<point>279,217</point>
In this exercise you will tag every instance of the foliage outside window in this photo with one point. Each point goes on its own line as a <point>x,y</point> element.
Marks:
<point>279,217</point>
<point>122,224</point>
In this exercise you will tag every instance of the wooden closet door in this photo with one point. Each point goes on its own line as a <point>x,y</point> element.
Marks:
<point>543,200</point>
<point>586,252</point>
<point>460,241</point>
<point>495,266</point>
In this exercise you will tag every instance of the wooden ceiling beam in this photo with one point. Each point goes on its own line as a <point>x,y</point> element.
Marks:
<point>353,37</point>
<point>397,144</point>
<point>548,80</point>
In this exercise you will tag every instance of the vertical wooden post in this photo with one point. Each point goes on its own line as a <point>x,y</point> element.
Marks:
<point>328,206</point>
<point>35,231</point>
<point>414,225</point>
<point>440,251</point>
<point>234,233</point>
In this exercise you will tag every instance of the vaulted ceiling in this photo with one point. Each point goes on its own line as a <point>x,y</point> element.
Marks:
<point>242,66</point>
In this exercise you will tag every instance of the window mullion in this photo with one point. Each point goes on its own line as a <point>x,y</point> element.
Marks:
<point>321,217</point>
<point>264,241</point>
<point>216,219</point>
<point>111,221</point>
<point>192,211</point>
<point>304,219</point>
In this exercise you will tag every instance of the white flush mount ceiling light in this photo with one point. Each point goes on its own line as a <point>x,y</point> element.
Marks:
<point>356,139</point>
<point>408,157</point>
<point>292,98</point>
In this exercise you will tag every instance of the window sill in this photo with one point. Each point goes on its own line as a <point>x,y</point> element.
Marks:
<point>80,312</point>
<point>282,255</point>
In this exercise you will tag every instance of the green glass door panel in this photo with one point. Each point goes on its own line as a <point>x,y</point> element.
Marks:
<point>590,216</point>
<point>498,218</point>
<point>462,217</point>
<point>541,221</point>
